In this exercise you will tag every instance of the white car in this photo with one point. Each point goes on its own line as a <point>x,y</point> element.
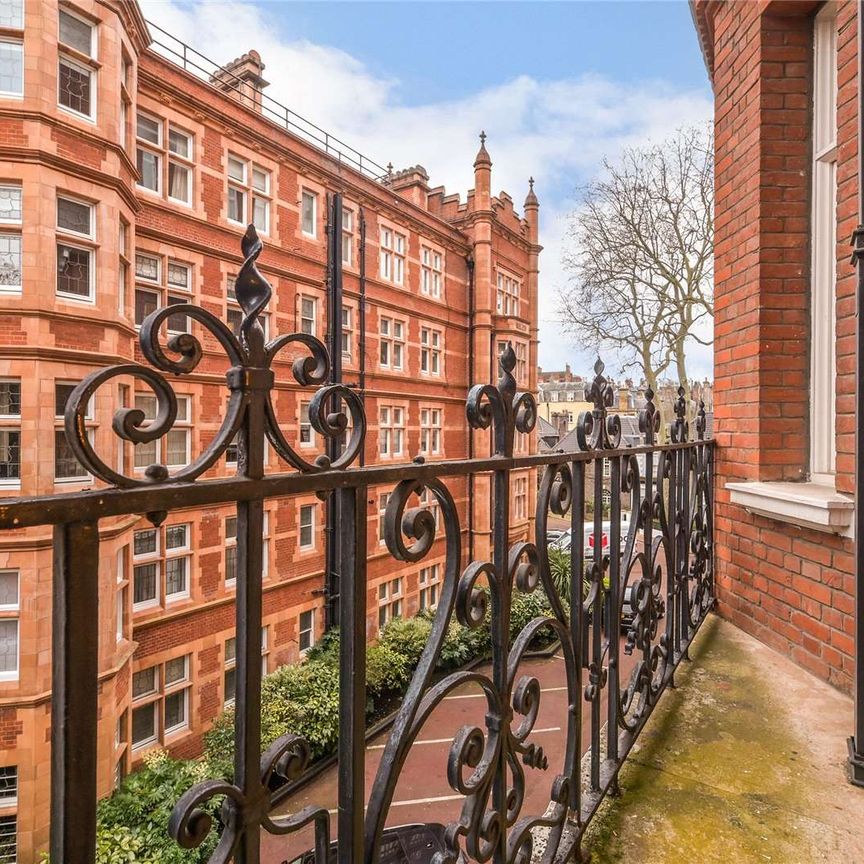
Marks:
<point>565,540</point>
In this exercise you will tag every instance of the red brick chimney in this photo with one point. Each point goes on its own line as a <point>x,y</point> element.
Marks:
<point>411,183</point>
<point>242,79</point>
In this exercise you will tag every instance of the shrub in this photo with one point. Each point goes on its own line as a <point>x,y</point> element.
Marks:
<point>132,820</point>
<point>408,636</point>
<point>387,670</point>
<point>302,699</point>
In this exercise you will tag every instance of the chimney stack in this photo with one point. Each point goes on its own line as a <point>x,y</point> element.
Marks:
<point>242,79</point>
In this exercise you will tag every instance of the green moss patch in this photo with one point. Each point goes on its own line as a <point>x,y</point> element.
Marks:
<point>716,775</point>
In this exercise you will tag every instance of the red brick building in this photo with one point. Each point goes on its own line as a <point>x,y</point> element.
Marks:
<point>786,87</point>
<point>126,185</point>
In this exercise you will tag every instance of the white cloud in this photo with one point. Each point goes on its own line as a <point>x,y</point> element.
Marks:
<point>557,131</point>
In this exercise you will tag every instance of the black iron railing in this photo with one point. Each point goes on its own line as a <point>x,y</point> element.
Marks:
<point>657,565</point>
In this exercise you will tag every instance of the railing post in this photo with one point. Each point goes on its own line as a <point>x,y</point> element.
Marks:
<point>352,674</point>
<point>614,614</point>
<point>74,697</point>
<point>577,620</point>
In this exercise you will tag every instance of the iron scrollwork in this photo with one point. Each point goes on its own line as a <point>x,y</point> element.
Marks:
<point>250,371</point>
<point>658,566</point>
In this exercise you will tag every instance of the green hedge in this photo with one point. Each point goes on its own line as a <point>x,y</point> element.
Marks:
<point>131,821</point>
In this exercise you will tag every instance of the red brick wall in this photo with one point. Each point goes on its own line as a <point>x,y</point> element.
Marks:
<point>789,586</point>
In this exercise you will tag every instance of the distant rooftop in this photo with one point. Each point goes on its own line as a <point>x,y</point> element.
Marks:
<point>192,61</point>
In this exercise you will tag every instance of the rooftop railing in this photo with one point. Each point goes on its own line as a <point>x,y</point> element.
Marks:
<point>203,67</point>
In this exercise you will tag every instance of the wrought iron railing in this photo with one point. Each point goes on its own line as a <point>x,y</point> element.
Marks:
<point>658,564</point>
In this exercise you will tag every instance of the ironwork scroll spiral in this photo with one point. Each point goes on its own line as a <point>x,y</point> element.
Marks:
<point>285,760</point>
<point>250,372</point>
<point>597,429</point>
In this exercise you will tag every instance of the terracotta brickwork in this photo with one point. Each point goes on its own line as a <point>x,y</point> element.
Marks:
<point>790,586</point>
<point>47,338</point>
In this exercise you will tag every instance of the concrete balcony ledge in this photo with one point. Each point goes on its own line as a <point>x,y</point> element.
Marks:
<point>744,762</point>
<point>810,505</point>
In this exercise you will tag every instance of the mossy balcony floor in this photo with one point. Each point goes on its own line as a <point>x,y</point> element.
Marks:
<point>743,762</point>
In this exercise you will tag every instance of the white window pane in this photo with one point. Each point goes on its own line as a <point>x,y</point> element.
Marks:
<point>8,645</point>
<point>148,168</point>
<point>236,169</point>
<point>176,670</point>
<point>76,33</point>
<point>178,274</point>
<point>308,213</point>
<point>261,213</point>
<point>149,129</point>
<point>144,578</point>
<point>179,182</point>
<point>9,589</point>
<point>74,216</point>
<point>175,710</point>
<point>74,85</point>
<point>180,143</point>
<point>176,576</point>
<point>10,262</point>
<point>260,180</point>
<point>144,682</point>
<point>143,724</point>
<point>176,536</point>
<point>12,14</point>
<point>12,68</point>
<point>177,449</point>
<point>10,204</point>
<point>73,270</point>
<point>236,204</point>
<point>147,267</point>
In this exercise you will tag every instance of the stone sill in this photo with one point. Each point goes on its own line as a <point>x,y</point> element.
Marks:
<point>810,505</point>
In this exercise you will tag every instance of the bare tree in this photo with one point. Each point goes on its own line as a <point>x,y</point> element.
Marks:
<point>640,257</point>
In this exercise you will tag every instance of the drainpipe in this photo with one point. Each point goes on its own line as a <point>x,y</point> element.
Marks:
<point>361,320</point>
<point>469,263</point>
<point>856,742</point>
<point>334,345</point>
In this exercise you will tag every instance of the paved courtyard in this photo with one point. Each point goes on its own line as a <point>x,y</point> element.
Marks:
<point>423,793</point>
<point>743,762</point>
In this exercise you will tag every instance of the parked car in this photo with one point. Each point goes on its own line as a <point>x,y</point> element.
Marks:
<point>553,534</point>
<point>564,539</point>
<point>403,844</point>
<point>564,542</point>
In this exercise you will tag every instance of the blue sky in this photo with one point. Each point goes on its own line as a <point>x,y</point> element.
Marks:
<point>557,86</point>
<point>477,44</point>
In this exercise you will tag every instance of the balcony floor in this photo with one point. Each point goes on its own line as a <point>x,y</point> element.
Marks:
<point>743,762</point>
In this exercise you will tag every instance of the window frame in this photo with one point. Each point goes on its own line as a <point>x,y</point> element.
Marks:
<point>822,450</point>
<point>83,62</point>
<point>11,612</point>
<point>309,194</point>
<point>310,630</point>
<point>12,228</point>
<point>78,241</point>
<point>310,546</point>
<point>18,42</point>
<point>387,338</point>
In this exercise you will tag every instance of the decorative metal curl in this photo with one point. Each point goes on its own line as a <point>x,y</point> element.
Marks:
<point>598,429</point>
<point>502,407</point>
<point>249,380</point>
<point>285,760</point>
